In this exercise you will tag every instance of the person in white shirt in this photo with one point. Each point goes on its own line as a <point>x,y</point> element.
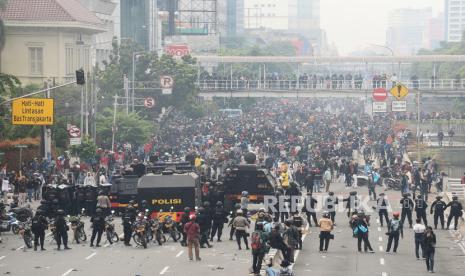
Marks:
<point>419,230</point>
<point>102,179</point>
<point>89,180</point>
<point>5,188</point>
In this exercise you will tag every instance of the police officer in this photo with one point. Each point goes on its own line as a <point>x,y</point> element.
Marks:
<point>184,220</point>
<point>219,219</point>
<point>61,230</point>
<point>407,206</point>
<point>455,212</point>
<point>209,216</point>
<point>382,204</point>
<point>438,207</point>
<point>98,225</point>
<point>353,202</point>
<point>45,208</point>
<point>39,224</point>
<point>309,209</point>
<point>204,222</point>
<point>330,206</point>
<point>129,217</point>
<point>299,222</point>
<point>232,216</point>
<point>420,208</point>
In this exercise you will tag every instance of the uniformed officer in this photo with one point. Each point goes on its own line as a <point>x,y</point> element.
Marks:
<point>300,223</point>
<point>61,230</point>
<point>407,206</point>
<point>39,224</point>
<point>98,225</point>
<point>309,209</point>
<point>353,203</point>
<point>420,208</point>
<point>455,212</point>
<point>331,203</point>
<point>383,204</point>
<point>438,207</point>
<point>219,219</point>
<point>129,217</point>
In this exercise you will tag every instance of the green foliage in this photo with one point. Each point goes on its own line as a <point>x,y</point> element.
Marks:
<point>85,151</point>
<point>130,128</point>
<point>8,83</point>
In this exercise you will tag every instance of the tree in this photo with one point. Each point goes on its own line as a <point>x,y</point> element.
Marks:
<point>85,151</point>
<point>129,128</point>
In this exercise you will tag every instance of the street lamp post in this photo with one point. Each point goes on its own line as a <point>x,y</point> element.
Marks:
<point>21,147</point>
<point>134,54</point>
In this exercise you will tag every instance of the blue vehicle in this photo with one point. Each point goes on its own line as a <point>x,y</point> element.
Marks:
<point>10,224</point>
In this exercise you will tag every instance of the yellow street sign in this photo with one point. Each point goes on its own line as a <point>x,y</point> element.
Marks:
<point>32,111</point>
<point>399,91</point>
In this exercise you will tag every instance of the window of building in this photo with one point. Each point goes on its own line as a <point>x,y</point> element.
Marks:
<point>36,60</point>
<point>69,61</point>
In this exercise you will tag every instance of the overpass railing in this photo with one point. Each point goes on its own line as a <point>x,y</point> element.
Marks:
<point>286,85</point>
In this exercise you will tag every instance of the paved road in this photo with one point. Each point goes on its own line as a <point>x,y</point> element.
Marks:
<point>342,256</point>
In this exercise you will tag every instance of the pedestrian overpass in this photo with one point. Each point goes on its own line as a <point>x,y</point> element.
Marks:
<point>240,88</point>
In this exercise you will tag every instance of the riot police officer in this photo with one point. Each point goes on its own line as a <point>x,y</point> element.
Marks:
<point>331,203</point>
<point>382,204</point>
<point>204,222</point>
<point>420,208</point>
<point>208,218</point>
<point>455,212</point>
<point>39,224</point>
<point>438,207</point>
<point>407,206</point>
<point>98,225</point>
<point>61,230</point>
<point>219,219</point>
<point>299,222</point>
<point>129,217</point>
<point>353,203</point>
<point>309,209</point>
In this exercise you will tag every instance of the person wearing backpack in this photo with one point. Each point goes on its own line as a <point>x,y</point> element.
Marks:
<point>39,224</point>
<point>291,238</point>
<point>361,232</point>
<point>259,247</point>
<point>394,231</point>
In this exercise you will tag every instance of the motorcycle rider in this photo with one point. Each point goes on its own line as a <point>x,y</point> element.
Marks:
<point>407,207</point>
<point>128,220</point>
<point>455,212</point>
<point>438,206</point>
<point>219,219</point>
<point>420,208</point>
<point>39,224</point>
<point>61,230</point>
<point>185,217</point>
<point>98,225</point>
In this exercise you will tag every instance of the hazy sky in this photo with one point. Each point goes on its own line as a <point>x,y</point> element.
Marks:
<point>351,24</point>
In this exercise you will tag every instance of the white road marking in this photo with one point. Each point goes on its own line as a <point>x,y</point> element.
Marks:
<point>2,257</point>
<point>179,254</point>
<point>377,220</point>
<point>379,229</point>
<point>380,248</point>
<point>380,239</point>
<point>381,261</point>
<point>164,270</point>
<point>106,245</point>
<point>91,255</point>
<point>67,272</point>
<point>19,248</point>
<point>121,236</point>
<point>384,274</point>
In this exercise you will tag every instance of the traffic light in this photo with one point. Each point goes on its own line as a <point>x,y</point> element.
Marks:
<point>80,77</point>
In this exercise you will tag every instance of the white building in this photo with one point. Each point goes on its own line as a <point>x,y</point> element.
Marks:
<point>454,20</point>
<point>267,14</point>
<point>406,28</point>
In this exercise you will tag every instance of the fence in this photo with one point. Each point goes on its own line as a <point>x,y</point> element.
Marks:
<point>455,187</point>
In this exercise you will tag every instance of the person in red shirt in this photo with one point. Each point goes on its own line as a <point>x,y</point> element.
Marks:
<point>192,230</point>
<point>463,178</point>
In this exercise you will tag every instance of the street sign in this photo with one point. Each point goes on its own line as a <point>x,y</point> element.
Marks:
<point>166,82</point>
<point>32,112</point>
<point>399,106</point>
<point>74,132</point>
<point>380,94</point>
<point>379,107</point>
<point>177,50</point>
<point>149,102</point>
<point>74,141</point>
<point>399,91</point>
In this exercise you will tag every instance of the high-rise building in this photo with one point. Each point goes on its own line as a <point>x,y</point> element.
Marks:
<point>304,15</point>
<point>454,20</point>
<point>406,28</point>
<point>138,21</point>
<point>266,14</point>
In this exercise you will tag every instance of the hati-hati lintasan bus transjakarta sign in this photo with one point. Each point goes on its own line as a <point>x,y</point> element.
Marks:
<point>32,111</point>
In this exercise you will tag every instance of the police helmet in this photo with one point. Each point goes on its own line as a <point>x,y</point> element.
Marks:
<point>201,209</point>
<point>187,210</point>
<point>439,197</point>
<point>206,204</point>
<point>60,212</point>
<point>288,222</point>
<point>219,203</point>
<point>98,210</point>
<point>455,198</point>
<point>326,215</point>
<point>237,206</point>
<point>331,193</point>
<point>245,193</point>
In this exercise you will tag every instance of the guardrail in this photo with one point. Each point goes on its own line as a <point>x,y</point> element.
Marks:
<point>286,85</point>
<point>455,187</point>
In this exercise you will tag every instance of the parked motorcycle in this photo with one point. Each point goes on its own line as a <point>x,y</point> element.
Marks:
<point>25,232</point>
<point>53,229</point>
<point>77,225</point>
<point>10,224</point>
<point>156,232</point>
<point>112,236</point>
<point>140,231</point>
<point>170,227</point>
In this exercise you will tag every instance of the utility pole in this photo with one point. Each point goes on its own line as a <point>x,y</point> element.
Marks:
<point>87,112</point>
<point>81,126</point>
<point>126,92</point>
<point>418,126</point>
<point>113,129</point>
<point>47,134</point>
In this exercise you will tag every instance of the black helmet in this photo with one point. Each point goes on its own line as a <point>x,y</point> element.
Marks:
<point>439,197</point>
<point>98,210</point>
<point>455,198</point>
<point>353,193</point>
<point>130,207</point>
<point>331,193</point>
<point>43,202</point>
<point>55,201</point>
<point>201,209</point>
<point>143,202</point>
<point>60,212</point>
<point>101,193</point>
<point>219,203</point>
<point>237,206</point>
<point>288,222</point>
<point>187,210</point>
<point>206,204</point>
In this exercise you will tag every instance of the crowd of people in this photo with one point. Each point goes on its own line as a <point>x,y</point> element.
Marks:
<point>305,144</point>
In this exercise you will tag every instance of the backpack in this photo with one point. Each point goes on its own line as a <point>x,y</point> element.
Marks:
<point>36,224</point>
<point>256,241</point>
<point>394,226</point>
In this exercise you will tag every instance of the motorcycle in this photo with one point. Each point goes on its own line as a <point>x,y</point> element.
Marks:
<point>110,229</point>
<point>77,225</point>
<point>10,224</point>
<point>170,227</point>
<point>140,233</point>
<point>25,232</point>
<point>156,232</point>
<point>53,229</point>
